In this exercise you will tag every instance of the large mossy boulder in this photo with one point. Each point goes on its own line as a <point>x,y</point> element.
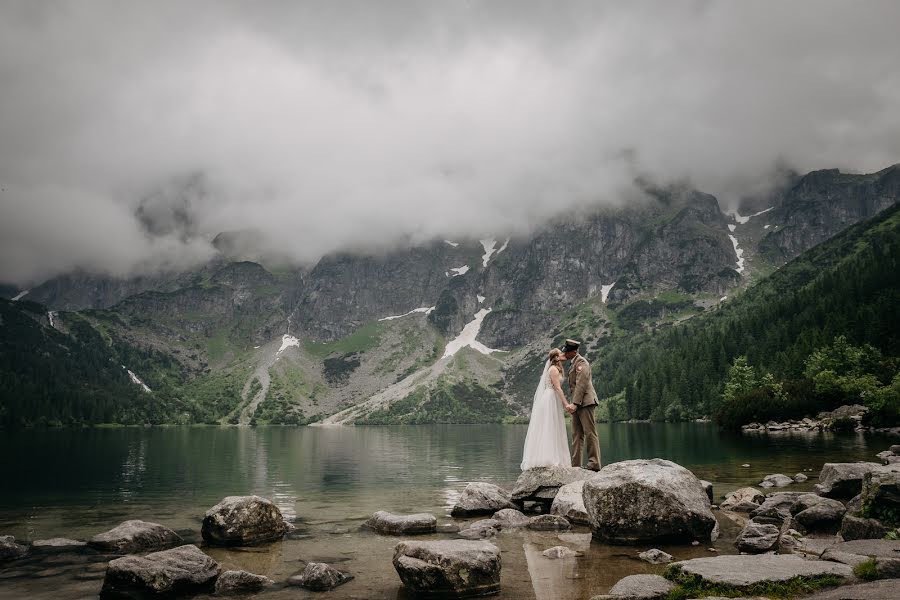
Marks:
<point>881,494</point>
<point>645,501</point>
<point>135,536</point>
<point>448,569</point>
<point>243,521</point>
<point>169,573</point>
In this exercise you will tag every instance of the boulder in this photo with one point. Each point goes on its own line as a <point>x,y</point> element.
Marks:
<point>57,545</point>
<point>860,528</point>
<point>743,500</point>
<point>776,508</point>
<point>454,568</point>
<point>656,557</point>
<point>135,536</point>
<point>549,523</point>
<point>708,488</point>
<point>559,552</point>
<point>843,480</point>
<point>319,577</point>
<point>740,570</point>
<point>756,538</point>
<point>542,483</point>
<point>776,480</point>
<point>391,524</point>
<point>854,505</point>
<point>886,589</point>
<point>243,521</point>
<point>800,477</point>
<point>881,491</point>
<point>484,528</point>
<point>642,587</point>
<point>895,448</point>
<point>824,516</point>
<point>510,518</point>
<point>886,554</point>
<point>481,499</point>
<point>240,582</point>
<point>178,571</point>
<point>569,503</point>
<point>10,550</point>
<point>643,501</point>
<point>884,456</point>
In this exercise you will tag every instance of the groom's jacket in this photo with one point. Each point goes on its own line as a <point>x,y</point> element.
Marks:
<point>580,384</point>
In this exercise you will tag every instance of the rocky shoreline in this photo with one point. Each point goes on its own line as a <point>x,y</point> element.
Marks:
<point>790,543</point>
<point>844,418</point>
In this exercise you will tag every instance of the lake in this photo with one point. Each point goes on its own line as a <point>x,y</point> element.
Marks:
<point>77,483</point>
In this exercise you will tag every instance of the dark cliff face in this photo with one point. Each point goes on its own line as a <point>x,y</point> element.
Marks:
<point>824,203</point>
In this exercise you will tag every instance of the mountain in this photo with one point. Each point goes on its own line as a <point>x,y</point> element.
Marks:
<point>405,335</point>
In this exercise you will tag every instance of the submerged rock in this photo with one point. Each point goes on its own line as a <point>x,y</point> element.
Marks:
<point>135,536</point>
<point>569,503</point>
<point>452,569</point>
<point>559,552</point>
<point>745,570</point>
<point>481,499</point>
<point>641,501</point>
<point>240,582</point>
<point>391,524</point>
<point>182,570</point>
<point>320,577</point>
<point>243,521</point>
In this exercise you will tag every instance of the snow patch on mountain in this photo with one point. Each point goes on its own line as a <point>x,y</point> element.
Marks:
<point>136,380</point>
<point>732,227</point>
<point>425,309</point>
<point>739,252</point>
<point>458,271</point>
<point>50,316</point>
<point>604,291</point>
<point>489,246</point>
<point>467,336</point>
<point>449,243</point>
<point>743,220</point>
<point>20,296</point>
<point>480,299</point>
<point>287,341</point>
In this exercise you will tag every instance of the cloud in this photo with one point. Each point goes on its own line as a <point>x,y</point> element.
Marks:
<point>328,125</point>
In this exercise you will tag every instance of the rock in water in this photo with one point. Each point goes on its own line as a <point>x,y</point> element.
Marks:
<point>478,530</point>
<point>243,521</point>
<point>240,582</point>
<point>135,536</point>
<point>391,524</point>
<point>756,538</point>
<point>10,550</point>
<point>57,545</point>
<point>800,477</point>
<point>776,480</point>
<point>510,518</point>
<point>642,587</point>
<point>656,557</point>
<point>559,552</point>
<point>741,571</point>
<point>569,503</point>
<point>843,480</point>
<point>542,483</point>
<point>743,500</point>
<point>320,577</point>
<point>481,499</point>
<point>642,501</point>
<point>549,523</point>
<point>452,569</point>
<point>182,570</point>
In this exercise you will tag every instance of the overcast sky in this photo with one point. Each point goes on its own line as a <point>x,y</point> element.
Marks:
<point>334,123</point>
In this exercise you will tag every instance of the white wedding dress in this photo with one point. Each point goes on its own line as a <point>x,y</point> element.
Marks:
<point>546,443</point>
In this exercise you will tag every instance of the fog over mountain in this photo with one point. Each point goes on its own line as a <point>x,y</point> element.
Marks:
<point>132,133</point>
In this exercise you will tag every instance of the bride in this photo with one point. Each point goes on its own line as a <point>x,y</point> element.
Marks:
<point>546,443</point>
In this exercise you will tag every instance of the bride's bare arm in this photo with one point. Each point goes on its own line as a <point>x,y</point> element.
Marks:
<point>557,386</point>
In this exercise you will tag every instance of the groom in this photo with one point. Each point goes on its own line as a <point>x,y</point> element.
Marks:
<point>584,399</point>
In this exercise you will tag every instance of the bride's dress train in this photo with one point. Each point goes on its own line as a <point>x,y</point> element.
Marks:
<point>546,443</point>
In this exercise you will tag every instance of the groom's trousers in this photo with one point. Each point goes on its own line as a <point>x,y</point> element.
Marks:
<point>584,432</point>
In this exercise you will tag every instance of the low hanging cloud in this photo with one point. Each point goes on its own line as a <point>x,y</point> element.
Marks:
<point>132,133</point>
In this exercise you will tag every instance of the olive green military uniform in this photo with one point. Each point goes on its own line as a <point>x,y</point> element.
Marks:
<point>584,430</point>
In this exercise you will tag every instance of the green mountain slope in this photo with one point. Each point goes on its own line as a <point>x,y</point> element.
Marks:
<point>845,286</point>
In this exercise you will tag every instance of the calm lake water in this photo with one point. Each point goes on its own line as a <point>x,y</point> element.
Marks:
<point>77,483</point>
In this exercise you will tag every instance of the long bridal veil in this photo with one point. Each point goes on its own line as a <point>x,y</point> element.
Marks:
<point>546,443</point>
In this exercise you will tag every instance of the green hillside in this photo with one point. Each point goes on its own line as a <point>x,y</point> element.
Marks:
<point>847,286</point>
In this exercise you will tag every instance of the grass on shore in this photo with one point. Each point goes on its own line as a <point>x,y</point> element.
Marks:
<point>692,586</point>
